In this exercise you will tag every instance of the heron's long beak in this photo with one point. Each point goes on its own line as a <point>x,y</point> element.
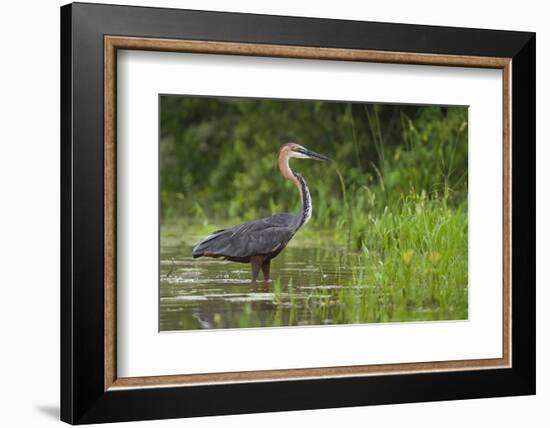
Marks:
<point>313,155</point>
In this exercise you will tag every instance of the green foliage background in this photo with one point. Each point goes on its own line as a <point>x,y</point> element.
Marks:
<point>219,156</point>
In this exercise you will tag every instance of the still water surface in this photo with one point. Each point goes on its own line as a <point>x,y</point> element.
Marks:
<point>310,286</point>
<point>213,293</point>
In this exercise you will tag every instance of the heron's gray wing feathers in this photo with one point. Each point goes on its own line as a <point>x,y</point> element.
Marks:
<point>259,237</point>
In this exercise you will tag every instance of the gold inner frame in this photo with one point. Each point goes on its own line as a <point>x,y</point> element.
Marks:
<point>113,43</point>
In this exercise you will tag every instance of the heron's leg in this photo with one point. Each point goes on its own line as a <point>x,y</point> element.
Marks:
<point>256,262</point>
<point>265,269</point>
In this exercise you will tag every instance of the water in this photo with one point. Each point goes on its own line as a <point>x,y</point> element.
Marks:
<point>309,286</point>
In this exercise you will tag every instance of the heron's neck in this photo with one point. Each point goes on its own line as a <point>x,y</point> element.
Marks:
<point>300,183</point>
<point>305,197</point>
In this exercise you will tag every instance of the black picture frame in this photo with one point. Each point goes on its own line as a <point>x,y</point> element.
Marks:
<point>83,399</point>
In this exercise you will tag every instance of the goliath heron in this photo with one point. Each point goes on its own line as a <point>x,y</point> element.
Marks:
<point>258,241</point>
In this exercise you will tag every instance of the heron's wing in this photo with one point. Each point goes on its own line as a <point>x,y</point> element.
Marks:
<point>259,237</point>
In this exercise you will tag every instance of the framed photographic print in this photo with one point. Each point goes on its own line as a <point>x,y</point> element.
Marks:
<point>265,213</point>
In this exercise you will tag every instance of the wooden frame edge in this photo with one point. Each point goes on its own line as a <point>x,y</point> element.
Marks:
<point>299,374</point>
<point>109,198</point>
<point>112,43</point>
<point>301,52</point>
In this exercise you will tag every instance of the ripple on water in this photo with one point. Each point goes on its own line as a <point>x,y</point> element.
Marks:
<point>187,297</point>
<point>252,297</point>
<point>332,287</point>
<point>194,280</point>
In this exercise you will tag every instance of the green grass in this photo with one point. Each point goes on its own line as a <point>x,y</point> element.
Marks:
<point>412,264</point>
<point>414,258</point>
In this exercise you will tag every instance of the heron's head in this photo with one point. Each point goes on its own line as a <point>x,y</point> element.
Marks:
<point>293,150</point>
